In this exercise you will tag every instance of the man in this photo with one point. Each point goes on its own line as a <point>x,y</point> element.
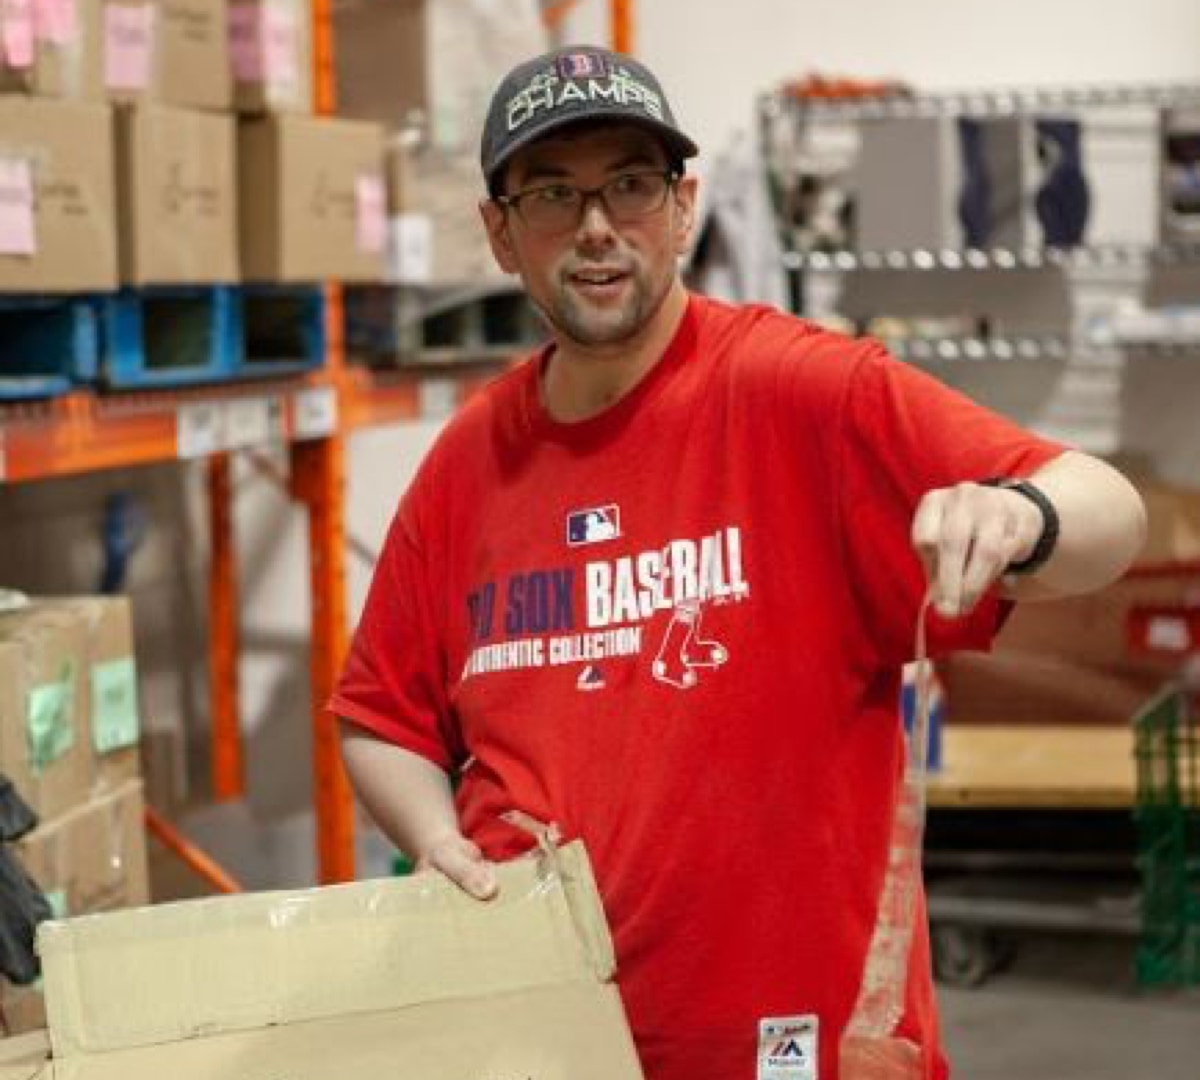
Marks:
<point>657,584</point>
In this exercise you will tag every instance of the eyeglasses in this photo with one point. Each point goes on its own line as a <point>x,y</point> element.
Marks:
<point>629,197</point>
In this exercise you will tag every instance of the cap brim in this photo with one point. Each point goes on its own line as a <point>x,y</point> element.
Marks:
<point>677,144</point>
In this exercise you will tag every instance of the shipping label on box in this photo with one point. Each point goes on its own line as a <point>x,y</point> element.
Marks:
<point>132,55</point>
<point>312,200</point>
<point>43,748</point>
<point>194,69</point>
<point>57,232</point>
<point>110,686</point>
<point>66,52</point>
<point>281,984</point>
<point>178,215</point>
<point>270,44</point>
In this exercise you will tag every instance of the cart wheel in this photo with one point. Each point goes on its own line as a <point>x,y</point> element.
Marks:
<point>964,955</point>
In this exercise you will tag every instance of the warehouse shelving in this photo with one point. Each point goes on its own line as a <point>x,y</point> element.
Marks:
<point>992,101</point>
<point>84,431</point>
<point>312,414</point>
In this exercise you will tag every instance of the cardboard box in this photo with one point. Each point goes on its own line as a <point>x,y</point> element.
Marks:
<point>194,69</point>
<point>93,858</point>
<point>110,685</point>
<point>57,230</point>
<point>66,59</point>
<point>132,48</point>
<point>270,44</point>
<point>435,235</point>
<point>312,199</point>
<point>176,196</point>
<point>432,62</point>
<point>43,747</point>
<point>373,980</point>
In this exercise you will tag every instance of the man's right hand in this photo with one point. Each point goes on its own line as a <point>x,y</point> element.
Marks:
<point>462,862</point>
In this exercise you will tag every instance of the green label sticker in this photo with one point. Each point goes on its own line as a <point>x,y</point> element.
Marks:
<point>114,705</point>
<point>50,725</point>
<point>57,899</point>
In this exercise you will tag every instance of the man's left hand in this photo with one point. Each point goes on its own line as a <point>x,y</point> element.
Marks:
<point>966,536</point>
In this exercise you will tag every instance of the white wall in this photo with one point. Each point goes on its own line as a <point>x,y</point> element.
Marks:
<point>715,57</point>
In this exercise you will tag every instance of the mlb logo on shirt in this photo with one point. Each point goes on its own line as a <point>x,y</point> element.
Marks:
<point>593,525</point>
<point>581,66</point>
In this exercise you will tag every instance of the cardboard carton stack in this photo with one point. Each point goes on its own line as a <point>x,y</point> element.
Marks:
<point>69,743</point>
<point>427,69</point>
<point>311,190</point>
<point>119,135</point>
<point>177,210</point>
<point>57,222</point>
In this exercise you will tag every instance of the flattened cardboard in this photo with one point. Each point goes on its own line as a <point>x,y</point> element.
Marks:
<point>373,975</point>
<point>178,214</point>
<point>24,1057</point>
<point>68,146</point>
<point>299,184</point>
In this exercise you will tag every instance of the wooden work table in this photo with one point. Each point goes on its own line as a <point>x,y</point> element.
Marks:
<point>1034,765</point>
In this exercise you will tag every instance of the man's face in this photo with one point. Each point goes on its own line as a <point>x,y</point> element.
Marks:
<point>600,282</point>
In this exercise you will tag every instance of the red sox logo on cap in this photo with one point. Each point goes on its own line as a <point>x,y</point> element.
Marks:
<point>582,65</point>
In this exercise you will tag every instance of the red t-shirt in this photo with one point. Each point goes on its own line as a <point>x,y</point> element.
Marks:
<point>675,630</point>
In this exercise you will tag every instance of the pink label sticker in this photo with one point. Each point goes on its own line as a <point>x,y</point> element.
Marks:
<point>56,21</point>
<point>371,216</point>
<point>128,46</point>
<point>246,42</point>
<point>16,208</point>
<point>279,46</point>
<point>262,44</point>
<point>16,32</point>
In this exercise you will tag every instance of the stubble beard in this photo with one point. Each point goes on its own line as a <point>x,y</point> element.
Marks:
<point>581,323</point>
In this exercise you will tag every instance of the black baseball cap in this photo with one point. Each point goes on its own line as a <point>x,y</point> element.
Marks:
<point>569,85</point>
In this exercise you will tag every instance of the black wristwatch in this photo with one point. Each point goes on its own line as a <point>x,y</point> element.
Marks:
<point>1044,548</point>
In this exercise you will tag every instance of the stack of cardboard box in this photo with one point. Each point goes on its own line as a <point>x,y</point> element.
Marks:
<point>427,69</point>
<point>121,125</point>
<point>69,744</point>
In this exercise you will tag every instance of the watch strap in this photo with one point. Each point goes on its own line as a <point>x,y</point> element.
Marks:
<point>1048,540</point>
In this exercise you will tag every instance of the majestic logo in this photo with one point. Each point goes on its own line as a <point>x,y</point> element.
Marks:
<point>787,1048</point>
<point>590,678</point>
<point>594,525</point>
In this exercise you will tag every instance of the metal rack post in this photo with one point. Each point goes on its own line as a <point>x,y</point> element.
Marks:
<point>228,771</point>
<point>318,480</point>
<point>622,25</point>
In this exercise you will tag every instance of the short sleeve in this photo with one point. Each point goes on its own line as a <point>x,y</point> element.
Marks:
<point>394,680</point>
<point>904,433</point>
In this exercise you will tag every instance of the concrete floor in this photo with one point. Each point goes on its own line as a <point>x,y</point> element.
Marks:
<point>1067,1008</point>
